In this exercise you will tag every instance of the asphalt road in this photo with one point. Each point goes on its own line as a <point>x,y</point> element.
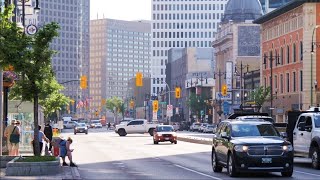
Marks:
<point>103,154</point>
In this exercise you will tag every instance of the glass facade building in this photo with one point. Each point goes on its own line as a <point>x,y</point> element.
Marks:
<point>273,4</point>
<point>180,24</point>
<point>118,50</point>
<point>72,45</point>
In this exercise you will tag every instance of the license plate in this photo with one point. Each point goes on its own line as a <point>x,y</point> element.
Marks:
<point>166,138</point>
<point>266,160</point>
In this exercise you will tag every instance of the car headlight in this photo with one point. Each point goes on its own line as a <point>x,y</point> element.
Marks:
<point>287,148</point>
<point>241,148</point>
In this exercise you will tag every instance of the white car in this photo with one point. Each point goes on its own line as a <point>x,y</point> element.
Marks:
<point>139,126</point>
<point>95,124</point>
<point>209,128</point>
<point>202,127</point>
<point>195,126</point>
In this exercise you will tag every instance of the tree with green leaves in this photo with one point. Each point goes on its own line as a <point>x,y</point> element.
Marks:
<point>196,103</point>
<point>116,106</point>
<point>55,101</point>
<point>260,96</point>
<point>31,58</point>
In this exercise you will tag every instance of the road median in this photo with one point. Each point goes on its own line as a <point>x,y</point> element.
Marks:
<point>194,140</point>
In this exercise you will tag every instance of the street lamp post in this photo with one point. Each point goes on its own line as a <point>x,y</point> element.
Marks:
<point>312,52</point>
<point>219,73</point>
<point>271,58</point>
<point>169,92</point>
<point>242,67</point>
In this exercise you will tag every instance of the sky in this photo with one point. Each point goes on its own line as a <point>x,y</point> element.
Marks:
<point>121,9</point>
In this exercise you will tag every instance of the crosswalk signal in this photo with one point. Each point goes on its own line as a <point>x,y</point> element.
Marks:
<point>83,82</point>
<point>155,105</point>
<point>178,92</point>
<point>139,79</point>
<point>224,90</point>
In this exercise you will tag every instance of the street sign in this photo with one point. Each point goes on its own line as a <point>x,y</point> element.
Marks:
<point>169,110</point>
<point>155,116</point>
<point>226,107</point>
<point>219,96</point>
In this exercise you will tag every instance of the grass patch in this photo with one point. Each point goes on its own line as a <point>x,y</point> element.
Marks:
<point>36,159</point>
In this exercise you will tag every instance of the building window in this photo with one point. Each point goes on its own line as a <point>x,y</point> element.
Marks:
<point>281,56</point>
<point>288,55</point>
<point>281,83</point>
<point>301,81</point>
<point>288,82</point>
<point>294,51</point>
<point>301,51</point>
<point>294,82</point>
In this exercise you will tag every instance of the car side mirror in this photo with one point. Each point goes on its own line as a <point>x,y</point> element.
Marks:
<point>224,135</point>
<point>284,135</point>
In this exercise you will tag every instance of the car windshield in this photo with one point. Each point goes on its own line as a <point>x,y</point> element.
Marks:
<point>97,121</point>
<point>165,129</point>
<point>210,126</point>
<point>81,124</point>
<point>240,130</point>
<point>317,120</point>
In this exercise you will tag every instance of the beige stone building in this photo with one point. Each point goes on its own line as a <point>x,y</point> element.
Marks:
<point>237,50</point>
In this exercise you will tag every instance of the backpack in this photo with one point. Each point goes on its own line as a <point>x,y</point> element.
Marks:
<point>14,138</point>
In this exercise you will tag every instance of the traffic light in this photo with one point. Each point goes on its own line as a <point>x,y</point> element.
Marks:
<point>131,104</point>
<point>178,92</point>
<point>83,82</point>
<point>139,79</point>
<point>155,105</point>
<point>224,90</point>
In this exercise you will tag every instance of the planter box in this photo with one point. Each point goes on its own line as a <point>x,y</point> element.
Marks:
<point>33,168</point>
<point>4,160</point>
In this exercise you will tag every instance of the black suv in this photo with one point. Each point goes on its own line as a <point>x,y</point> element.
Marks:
<point>250,146</point>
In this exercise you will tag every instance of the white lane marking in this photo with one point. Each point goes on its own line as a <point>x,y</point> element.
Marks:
<point>197,172</point>
<point>307,173</point>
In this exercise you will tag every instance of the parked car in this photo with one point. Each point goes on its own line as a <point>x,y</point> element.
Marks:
<point>95,124</point>
<point>69,124</point>
<point>195,126</point>
<point>80,128</point>
<point>202,127</point>
<point>209,128</point>
<point>164,133</point>
<point>250,146</point>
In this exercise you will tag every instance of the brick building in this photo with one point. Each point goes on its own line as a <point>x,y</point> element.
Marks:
<point>289,66</point>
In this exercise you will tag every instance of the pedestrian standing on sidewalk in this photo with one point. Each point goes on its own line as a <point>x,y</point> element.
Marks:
<point>12,143</point>
<point>49,134</point>
<point>109,125</point>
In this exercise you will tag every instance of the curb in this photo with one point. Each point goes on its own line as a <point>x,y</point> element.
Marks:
<point>75,173</point>
<point>195,140</point>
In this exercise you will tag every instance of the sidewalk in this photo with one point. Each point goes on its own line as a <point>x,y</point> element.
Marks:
<point>67,172</point>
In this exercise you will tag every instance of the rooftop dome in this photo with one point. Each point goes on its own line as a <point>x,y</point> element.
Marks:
<point>242,10</point>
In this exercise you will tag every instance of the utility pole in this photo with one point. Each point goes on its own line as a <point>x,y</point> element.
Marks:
<point>220,87</point>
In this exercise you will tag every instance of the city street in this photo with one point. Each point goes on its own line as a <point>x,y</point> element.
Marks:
<point>103,154</point>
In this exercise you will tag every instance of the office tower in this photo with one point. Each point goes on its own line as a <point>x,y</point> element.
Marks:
<point>180,24</point>
<point>118,49</point>
<point>72,59</point>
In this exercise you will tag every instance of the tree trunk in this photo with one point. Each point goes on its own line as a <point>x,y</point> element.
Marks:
<point>36,125</point>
